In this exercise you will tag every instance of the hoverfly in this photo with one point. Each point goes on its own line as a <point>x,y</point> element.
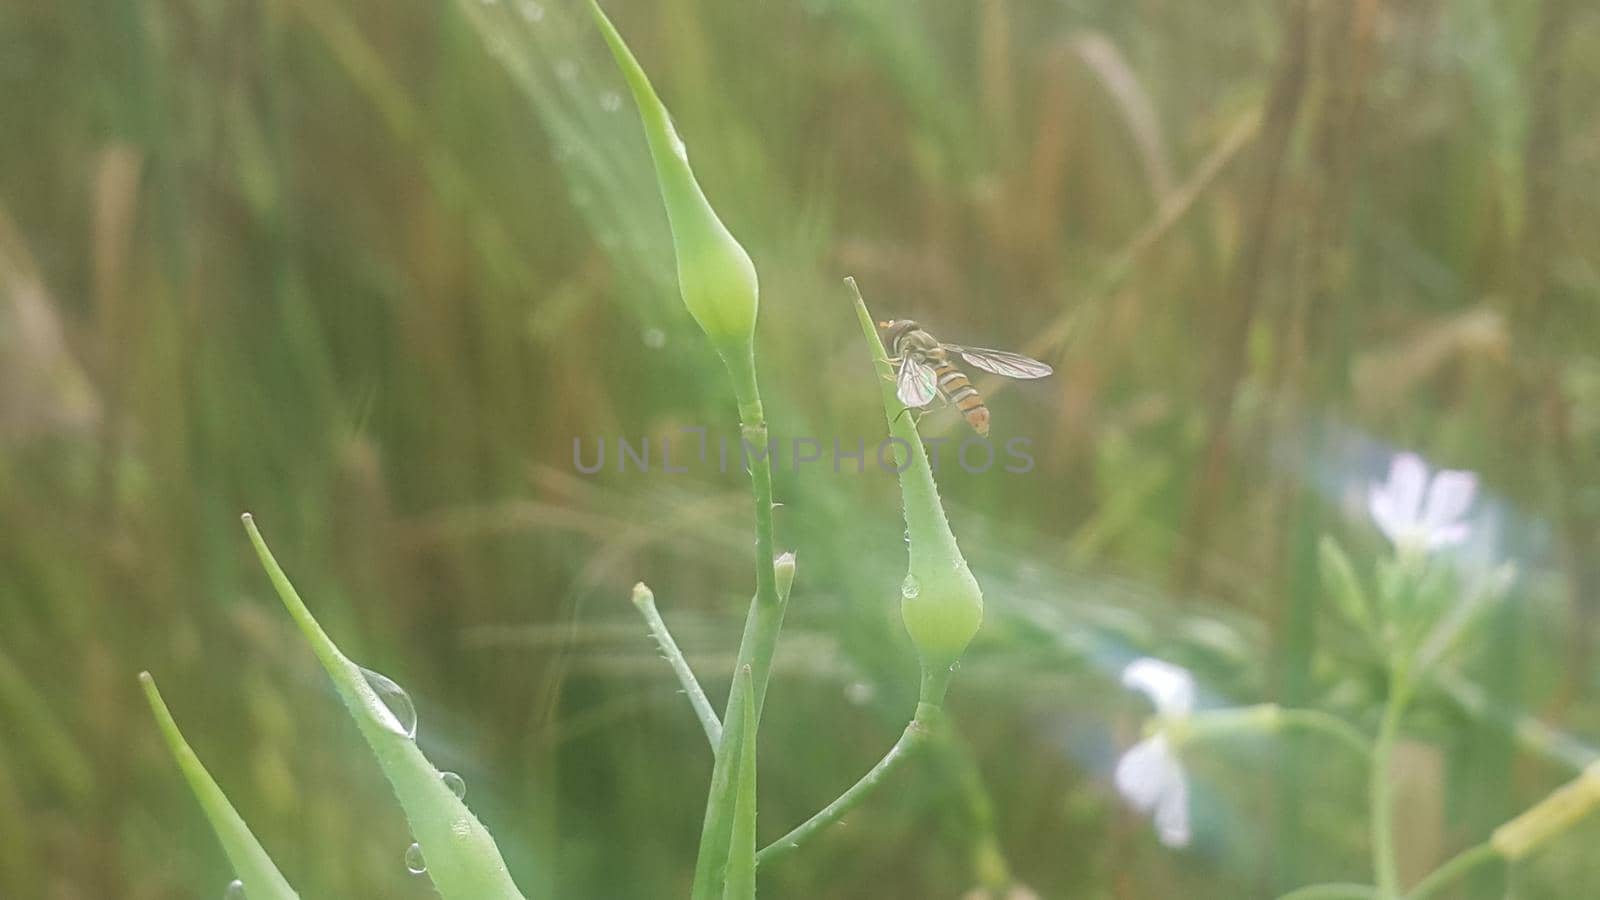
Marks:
<point>924,370</point>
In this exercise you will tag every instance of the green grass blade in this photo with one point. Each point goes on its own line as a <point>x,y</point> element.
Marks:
<point>251,864</point>
<point>461,855</point>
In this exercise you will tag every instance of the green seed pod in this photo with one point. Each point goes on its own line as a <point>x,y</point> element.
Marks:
<point>941,605</point>
<point>715,275</point>
<point>940,601</point>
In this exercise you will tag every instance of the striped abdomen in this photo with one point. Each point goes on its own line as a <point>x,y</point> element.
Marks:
<point>958,390</point>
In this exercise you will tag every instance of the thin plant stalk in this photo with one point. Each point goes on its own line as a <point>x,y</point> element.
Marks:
<point>1318,722</point>
<point>645,600</point>
<point>740,882</point>
<point>922,728</point>
<point>1331,891</point>
<point>1458,866</point>
<point>1384,868</point>
<point>1272,718</point>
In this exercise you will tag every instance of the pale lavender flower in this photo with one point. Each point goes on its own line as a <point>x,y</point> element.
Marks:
<point>1150,776</point>
<point>1417,511</point>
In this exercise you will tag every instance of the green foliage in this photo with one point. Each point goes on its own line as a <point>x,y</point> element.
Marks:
<point>250,861</point>
<point>462,859</point>
<point>368,268</point>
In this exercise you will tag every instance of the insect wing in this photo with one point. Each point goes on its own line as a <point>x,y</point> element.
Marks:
<point>1011,365</point>
<point>916,384</point>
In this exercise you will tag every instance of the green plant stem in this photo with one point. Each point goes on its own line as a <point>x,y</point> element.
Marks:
<point>1331,891</point>
<point>1330,726</point>
<point>740,883</point>
<point>756,649</point>
<point>1459,865</point>
<point>645,600</point>
<point>922,728</point>
<point>935,683</point>
<point>1269,717</point>
<point>1384,868</point>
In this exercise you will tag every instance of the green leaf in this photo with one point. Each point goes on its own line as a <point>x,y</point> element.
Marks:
<point>250,862</point>
<point>461,855</point>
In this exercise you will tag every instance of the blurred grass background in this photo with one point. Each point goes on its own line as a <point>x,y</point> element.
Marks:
<point>366,269</point>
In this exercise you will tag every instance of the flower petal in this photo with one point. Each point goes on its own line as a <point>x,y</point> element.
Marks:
<point>1144,773</point>
<point>1169,687</point>
<point>1408,478</point>
<point>1381,505</point>
<point>1449,496</point>
<point>1172,809</point>
<point>1449,536</point>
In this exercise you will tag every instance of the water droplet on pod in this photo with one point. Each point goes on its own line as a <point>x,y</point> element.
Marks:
<point>679,149</point>
<point>455,783</point>
<point>415,864</point>
<point>394,711</point>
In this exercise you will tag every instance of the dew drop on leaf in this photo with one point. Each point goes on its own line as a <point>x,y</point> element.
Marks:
<point>415,864</point>
<point>234,890</point>
<point>910,588</point>
<point>395,711</point>
<point>679,149</point>
<point>455,783</point>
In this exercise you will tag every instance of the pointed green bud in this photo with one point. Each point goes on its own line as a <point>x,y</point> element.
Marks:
<point>783,569</point>
<point>940,601</point>
<point>715,275</point>
<point>643,596</point>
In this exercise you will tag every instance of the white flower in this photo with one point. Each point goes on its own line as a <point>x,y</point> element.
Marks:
<point>1414,511</point>
<point>1150,775</point>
